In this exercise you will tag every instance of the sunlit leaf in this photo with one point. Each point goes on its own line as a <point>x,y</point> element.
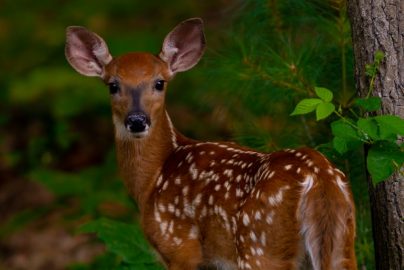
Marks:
<point>324,110</point>
<point>324,93</point>
<point>306,106</point>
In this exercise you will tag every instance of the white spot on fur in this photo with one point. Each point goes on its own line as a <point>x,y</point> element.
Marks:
<point>173,136</point>
<point>269,217</point>
<point>342,186</point>
<point>340,172</point>
<point>203,212</point>
<point>278,197</point>
<point>193,232</point>
<point>171,208</point>
<point>307,184</point>
<point>197,199</point>
<point>159,181</point>
<point>246,220</point>
<point>171,227</point>
<point>253,236</point>
<point>210,200</point>
<point>193,171</point>
<point>185,190</point>
<point>228,172</point>
<point>189,210</point>
<point>239,193</point>
<point>189,157</point>
<point>263,239</point>
<point>157,216</point>
<point>162,208</point>
<point>177,240</point>
<point>163,227</point>
<point>309,162</point>
<point>177,181</point>
<point>288,167</point>
<point>165,185</point>
<point>252,251</point>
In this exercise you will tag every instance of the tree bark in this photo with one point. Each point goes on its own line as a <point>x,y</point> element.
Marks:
<point>379,25</point>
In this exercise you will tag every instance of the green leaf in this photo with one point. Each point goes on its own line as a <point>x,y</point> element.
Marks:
<point>370,70</point>
<point>340,144</point>
<point>379,55</point>
<point>62,184</point>
<point>369,104</point>
<point>390,126</point>
<point>383,159</point>
<point>344,130</point>
<point>306,106</point>
<point>345,137</point>
<point>324,93</point>
<point>369,127</point>
<point>82,183</point>
<point>323,110</point>
<point>124,240</point>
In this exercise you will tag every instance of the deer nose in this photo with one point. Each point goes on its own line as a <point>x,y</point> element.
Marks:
<point>137,122</point>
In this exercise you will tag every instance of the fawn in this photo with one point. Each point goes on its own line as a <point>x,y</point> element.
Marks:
<point>211,205</point>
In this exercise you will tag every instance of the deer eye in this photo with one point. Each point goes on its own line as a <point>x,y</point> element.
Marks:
<point>114,88</point>
<point>159,85</point>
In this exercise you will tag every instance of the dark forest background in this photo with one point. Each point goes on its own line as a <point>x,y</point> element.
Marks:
<point>57,162</point>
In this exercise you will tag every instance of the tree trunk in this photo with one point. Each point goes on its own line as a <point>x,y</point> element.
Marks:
<point>379,25</point>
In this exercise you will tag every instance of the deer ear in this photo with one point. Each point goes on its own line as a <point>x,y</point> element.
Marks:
<point>86,52</point>
<point>184,45</point>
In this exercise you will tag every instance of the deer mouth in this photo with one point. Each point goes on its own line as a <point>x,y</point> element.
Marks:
<point>141,134</point>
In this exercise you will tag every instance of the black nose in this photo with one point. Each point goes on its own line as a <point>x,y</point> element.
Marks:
<point>137,122</point>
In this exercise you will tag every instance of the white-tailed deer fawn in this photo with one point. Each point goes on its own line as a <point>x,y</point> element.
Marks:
<point>210,205</point>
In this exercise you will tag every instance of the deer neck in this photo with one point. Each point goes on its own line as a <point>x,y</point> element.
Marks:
<point>141,160</point>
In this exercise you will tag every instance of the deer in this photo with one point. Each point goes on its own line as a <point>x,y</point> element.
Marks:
<point>214,205</point>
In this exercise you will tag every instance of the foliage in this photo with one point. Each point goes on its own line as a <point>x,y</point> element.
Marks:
<point>126,241</point>
<point>321,105</point>
<point>379,133</point>
<point>91,186</point>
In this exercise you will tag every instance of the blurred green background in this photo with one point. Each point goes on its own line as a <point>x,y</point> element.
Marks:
<point>57,162</point>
